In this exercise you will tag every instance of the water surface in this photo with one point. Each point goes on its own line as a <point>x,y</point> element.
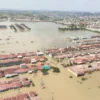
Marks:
<point>43,35</point>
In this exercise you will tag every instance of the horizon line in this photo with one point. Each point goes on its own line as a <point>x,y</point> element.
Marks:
<point>4,9</point>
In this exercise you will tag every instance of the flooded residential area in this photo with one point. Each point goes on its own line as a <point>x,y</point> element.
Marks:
<point>49,50</point>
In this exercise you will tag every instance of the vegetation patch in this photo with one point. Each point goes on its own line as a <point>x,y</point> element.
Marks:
<point>32,41</point>
<point>80,82</point>
<point>44,71</point>
<point>89,72</point>
<point>70,76</point>
<point>83,78</point>
<point>35,71</point>
<point>98,86</point>
<point>55,69</point>
<point>33,84</point>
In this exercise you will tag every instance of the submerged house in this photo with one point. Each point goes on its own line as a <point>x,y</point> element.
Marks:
<point>13,28</point>
<point>26,27</point>
<point>20,27</point>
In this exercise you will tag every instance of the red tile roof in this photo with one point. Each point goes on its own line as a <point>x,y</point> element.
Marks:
<point>24,96</point>
<point>16,83</point>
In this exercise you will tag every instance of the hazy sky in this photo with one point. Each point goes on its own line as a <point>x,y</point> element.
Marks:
<point>66,5</point>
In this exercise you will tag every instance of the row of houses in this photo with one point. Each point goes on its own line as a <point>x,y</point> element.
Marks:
<point>13,27</point>
<point>90,41</point>
<point>85,59</point>
<point>26,27</point>
<point>71,49</point>
<point>96,36</point>
<point>78,56</point>
<point>32,95</point>
<point>80,70</point>
<point>22,27</point>
<point>76,53</point>
<point>17,61</point>
<point>13,84</point>
<point>23,68</point>
<point>20,55</point>
<point>10,62</point>
<point>34,59</point>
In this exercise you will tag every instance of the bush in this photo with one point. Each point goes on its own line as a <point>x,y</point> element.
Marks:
<point>80,82</point>
<point>83,79</point>
<point>44,71</point>
<point>89,72</point>
<point>65,65</point>
<point>56,70</point>
<point>70,76</point>
<point>68,65</point>
<point>35,71</point>
<point>57,60</point>
<point>98,86</point>
<point>33,84</point>
<point>71,64</point>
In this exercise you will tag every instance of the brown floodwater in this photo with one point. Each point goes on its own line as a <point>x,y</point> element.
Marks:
<point>43,35</point>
